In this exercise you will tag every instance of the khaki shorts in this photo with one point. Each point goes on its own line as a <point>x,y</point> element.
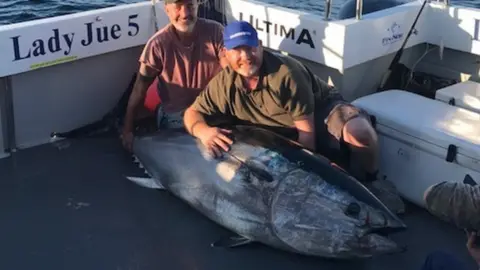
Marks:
<point>331,115</point>
<point>457,203</point>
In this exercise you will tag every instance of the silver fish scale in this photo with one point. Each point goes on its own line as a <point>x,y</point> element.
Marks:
<point>246,223</point>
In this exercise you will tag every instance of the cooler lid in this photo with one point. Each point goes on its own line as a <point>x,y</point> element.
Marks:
<point>465,94</point>
<point>427,119</point>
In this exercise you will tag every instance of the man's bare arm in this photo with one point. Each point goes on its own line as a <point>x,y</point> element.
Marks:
<point>194,121</point>
<point>306,131</point>
<point>212,138</point>
<point>145,77</point>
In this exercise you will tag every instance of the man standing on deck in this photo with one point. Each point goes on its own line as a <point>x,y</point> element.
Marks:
<point>184,55</point>
<point>279,93</point>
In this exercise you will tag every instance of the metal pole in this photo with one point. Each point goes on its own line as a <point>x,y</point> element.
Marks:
<point>8,119</point>
<point>328,6</point>
<point>154,14</point>
<point>359,9</point>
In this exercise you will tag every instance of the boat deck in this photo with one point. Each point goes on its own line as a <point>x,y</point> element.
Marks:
<point>68,206</point>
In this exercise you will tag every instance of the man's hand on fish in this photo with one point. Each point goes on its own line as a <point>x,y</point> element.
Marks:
<point>214,139</point>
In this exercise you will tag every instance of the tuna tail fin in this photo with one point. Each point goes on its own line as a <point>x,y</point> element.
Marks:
<point>232,241</point>
<point>92,128</point>
<point>146,182</point>
<point>111,121</point>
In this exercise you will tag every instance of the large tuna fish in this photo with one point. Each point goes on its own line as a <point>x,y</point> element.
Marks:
<point>267,189</point>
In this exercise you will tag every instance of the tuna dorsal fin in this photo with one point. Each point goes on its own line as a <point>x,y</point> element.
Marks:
<point>146,182</point>
<point>232,241</point>
<point>469,180</point>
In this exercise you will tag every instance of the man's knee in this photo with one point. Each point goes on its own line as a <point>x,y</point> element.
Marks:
<point>356,138</point>
<point>358,132</point>
<point>427,193</point>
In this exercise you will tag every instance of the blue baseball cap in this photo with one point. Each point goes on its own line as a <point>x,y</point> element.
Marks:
<point>239,33</point>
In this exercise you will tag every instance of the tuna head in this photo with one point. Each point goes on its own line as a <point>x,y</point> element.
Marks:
<point>316,218</point>
<point>308,215</point>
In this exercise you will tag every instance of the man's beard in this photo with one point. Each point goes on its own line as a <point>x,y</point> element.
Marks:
<point>186,28</point>
<point>249,72</point>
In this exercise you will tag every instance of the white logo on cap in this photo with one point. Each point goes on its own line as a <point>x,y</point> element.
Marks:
<point>240,34</point>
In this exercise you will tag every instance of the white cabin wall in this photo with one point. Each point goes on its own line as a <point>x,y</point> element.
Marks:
<point>455,28</point>
<point>330,75</point>
<point>365,78</point>
<point>455,64</point>
<point>362,79</point>
<point>70,95</point>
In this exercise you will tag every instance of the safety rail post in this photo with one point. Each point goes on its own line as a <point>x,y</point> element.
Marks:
<point>328,7</point>
<point>7,121</point>
<point>359,9</point>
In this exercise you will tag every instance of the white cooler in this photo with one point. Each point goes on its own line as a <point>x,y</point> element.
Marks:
<point>423,141</point>
<point>464,95</point>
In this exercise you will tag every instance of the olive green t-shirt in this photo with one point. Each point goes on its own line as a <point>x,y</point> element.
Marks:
<point>285,93</point>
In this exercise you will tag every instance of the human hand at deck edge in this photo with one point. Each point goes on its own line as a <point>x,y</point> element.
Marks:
<point>127,140</point>
<point>472,247</point>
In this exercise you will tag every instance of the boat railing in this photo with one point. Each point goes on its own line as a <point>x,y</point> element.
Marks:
<point>445,2</point>
<point>359,8</point>
<point>328,6</point>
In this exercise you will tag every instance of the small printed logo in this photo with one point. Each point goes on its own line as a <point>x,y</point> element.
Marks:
<point>239,34</point>
<point>394,34</point>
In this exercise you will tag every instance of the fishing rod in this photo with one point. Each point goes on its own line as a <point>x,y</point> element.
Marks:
<point>398,55</point>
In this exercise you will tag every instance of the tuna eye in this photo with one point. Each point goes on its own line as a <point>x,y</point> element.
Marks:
<point>353,210</point>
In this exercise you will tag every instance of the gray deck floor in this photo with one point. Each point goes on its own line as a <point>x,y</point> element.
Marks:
<point>72,208</point>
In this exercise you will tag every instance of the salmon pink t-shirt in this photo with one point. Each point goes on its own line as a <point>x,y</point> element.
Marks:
<point>184,71</point>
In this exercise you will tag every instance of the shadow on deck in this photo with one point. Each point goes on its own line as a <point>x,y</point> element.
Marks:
<point>71,208</point>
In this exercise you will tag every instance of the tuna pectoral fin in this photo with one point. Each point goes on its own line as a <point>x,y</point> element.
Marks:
<point>374,244</point>
<point>232,241</point>
<point>146,182</point>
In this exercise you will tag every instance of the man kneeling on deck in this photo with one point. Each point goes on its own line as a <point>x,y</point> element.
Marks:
<point>280,93</point>
<point>459,204</point>
<point>184,55</point>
